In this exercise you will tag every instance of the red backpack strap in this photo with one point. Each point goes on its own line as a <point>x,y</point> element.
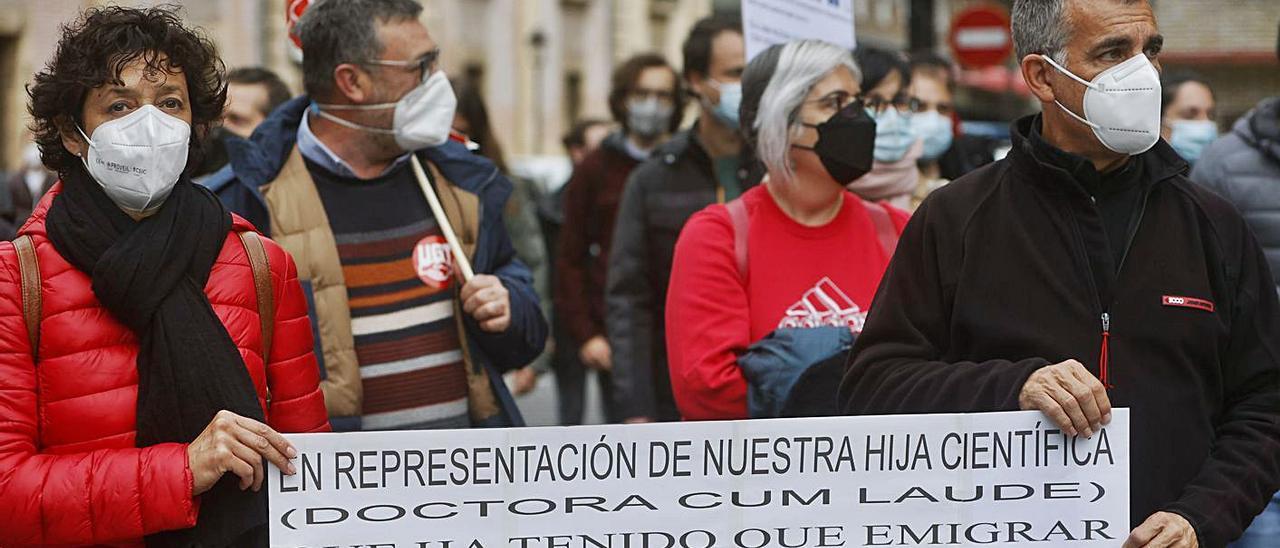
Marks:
<point>741,224</point>
<point>886,232</point>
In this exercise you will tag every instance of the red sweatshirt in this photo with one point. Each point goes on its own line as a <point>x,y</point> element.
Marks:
<point>797,276</point>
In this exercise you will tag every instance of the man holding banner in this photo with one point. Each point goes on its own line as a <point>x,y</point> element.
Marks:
<point>1086,271</point>
<point>388,215</point>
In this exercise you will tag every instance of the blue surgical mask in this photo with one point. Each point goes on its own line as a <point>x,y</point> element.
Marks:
<point>648,118</point>
<point>936,132</point>
<point>730,98</point>
<point>893,135</point>
<point>1190,137</point>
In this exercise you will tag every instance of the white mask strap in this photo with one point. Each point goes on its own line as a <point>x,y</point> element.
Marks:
<point>1063,70</point>
<point>1076,116</point>
<point>377,106</point>
<point>88,143</point>
<point>437,75</point>
<point>1089,85</point>
<point>352,125</point>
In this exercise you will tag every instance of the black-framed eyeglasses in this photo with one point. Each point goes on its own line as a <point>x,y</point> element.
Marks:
<point>836,101</point>
<point>425,64</point>
<point>904,104</point>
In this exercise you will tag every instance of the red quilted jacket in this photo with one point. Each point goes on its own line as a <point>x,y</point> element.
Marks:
<point>69,471</point>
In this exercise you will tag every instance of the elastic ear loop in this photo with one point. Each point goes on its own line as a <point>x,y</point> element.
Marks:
<point>376,106</point>
<point>1082,81</point>
<point>316,107</point>
<point>87,144</point>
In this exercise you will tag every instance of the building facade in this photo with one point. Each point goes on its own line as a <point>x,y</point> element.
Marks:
<point>543,64</point>
<point>1231,43</point>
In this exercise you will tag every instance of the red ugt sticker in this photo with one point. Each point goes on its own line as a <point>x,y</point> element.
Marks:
<point>433,261</point>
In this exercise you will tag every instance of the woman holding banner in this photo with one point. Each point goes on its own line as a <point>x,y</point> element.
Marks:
<point>781,278</point>
<point>153,344</point>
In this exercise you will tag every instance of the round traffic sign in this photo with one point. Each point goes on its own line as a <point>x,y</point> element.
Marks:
<point>980,36</point>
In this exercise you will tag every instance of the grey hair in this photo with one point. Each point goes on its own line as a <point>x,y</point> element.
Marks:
<point>1043,26</point>
<point>334,32</point>
<point>1040,26</point>
<point>801,65</point>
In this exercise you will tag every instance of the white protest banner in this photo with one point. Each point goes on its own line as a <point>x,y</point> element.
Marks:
<point>769,22</point>
<point>997,479</point>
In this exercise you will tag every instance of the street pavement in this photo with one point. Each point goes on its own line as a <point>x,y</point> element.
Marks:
<point>540,408</point>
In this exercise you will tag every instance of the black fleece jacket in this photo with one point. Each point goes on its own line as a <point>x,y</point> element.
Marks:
<point>1010,269</point>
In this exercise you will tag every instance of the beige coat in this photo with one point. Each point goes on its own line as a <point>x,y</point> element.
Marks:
<point>300,225</point>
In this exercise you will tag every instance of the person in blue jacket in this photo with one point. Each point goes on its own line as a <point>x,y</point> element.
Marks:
<point>405,342</point>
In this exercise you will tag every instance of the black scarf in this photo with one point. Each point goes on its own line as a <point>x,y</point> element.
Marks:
<point>151,275</point>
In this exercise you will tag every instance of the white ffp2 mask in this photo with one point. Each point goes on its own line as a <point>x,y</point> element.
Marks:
<point>422,119</point>
<point>138,158</point>
<point>1121,104</point>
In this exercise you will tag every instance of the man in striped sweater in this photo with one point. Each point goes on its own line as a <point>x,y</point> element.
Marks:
<point>406,342</point>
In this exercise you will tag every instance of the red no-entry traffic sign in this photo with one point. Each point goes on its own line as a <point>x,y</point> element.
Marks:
<point>980,37</point>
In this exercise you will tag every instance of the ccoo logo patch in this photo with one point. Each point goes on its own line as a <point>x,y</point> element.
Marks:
<point>1187,302</point>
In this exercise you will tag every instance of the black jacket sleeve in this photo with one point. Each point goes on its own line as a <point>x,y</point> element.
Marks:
<point>9,221</point>
<point>1238,479</point>
<point>899,362</point>
<point>629,307</point>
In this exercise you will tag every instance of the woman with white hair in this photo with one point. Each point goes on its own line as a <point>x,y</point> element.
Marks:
<point>794,254</point>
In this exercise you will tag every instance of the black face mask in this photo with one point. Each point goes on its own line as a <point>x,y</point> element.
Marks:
<point>213,152</point>
<point>846,143</point>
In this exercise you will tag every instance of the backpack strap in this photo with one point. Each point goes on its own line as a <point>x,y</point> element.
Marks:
<point>32,305</point>
<point>741,225</point>
<point>885,231</point>
<point>262,286</point>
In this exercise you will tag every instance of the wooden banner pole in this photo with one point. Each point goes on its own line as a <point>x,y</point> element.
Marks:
<point>459,256</point>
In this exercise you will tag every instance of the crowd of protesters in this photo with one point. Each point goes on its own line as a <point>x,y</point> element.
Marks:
<point>808,232</point>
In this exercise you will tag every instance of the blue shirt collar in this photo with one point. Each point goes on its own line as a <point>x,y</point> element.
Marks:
<point>315,151</point>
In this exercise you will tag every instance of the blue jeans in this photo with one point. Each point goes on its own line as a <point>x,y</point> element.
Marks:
<point>1265,530</point>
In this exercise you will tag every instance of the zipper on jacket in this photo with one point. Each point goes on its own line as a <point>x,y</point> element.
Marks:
<point>1133,232</point>
<point>1104,356</point>
<point>1102,308</point>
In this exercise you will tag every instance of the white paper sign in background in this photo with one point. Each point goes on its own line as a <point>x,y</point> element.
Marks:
<point>997,479</point>
<point>769,22</point>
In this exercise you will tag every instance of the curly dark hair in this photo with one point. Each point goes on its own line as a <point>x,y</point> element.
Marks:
<point>97,47</point>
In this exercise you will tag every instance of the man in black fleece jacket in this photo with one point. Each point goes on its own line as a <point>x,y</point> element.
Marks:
<point>1071,276</point>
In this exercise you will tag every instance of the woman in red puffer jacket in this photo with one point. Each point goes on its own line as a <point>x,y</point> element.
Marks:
<point>142,397</point>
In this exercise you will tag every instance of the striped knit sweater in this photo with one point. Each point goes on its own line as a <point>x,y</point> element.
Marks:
<point>398,271</point>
